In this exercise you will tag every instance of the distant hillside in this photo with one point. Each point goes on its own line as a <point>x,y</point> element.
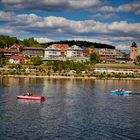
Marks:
<point>81,43</point>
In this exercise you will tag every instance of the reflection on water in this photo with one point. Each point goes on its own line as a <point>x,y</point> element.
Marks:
<point>29,101</point>
<point>75,109</point>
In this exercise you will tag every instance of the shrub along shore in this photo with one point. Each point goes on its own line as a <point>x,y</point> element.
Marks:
<point>105,76</point>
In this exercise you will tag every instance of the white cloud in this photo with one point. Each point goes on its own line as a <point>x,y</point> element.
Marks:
<point>84,4</point>
<point>104,16</point>
<point>133,7</point>
<point>27,18</point>
<point>97,40</point>
<point>87,27</point>
<point>93,6</point>
<point>6,16</point>
<point>51,5</point>
<point>107,9</point>
<point>123,38</point>
<point>125,27</point>
<point>6,31</point>
<point>52,24</point>
<point>61,27</point>
<point>123,46</point>
<point>126,45</point>
<point>43,40</point>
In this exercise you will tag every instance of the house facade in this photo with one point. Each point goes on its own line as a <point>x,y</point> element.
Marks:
<point>12,50</point>
<point>74,51</point>
<point>33,52</point>
<point>52,51</point>
<point>107,54</point>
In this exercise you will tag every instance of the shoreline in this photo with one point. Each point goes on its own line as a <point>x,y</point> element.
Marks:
<point>66,77</point>
<point>55,77</point>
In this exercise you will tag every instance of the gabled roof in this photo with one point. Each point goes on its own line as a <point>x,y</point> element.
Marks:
<point>53,48</point>
<point>15,46</point>
<point>75,47</point>
<point>62,47</point>
<point>15,57</point>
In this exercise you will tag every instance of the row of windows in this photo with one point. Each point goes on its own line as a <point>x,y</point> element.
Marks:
<point>53,52</point>
<point>107,53</point>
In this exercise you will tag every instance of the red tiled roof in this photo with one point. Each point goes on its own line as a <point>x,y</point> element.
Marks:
<point>90,50</point>
<point>63,47</point>
<point>17,57</point>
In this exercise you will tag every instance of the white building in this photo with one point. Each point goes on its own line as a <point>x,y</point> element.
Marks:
<point>74,51</point>
<point>17,60</point>
<point>108,54</point>
<point>52,51</point>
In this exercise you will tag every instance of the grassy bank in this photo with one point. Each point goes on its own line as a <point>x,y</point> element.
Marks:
<point>117,66</point>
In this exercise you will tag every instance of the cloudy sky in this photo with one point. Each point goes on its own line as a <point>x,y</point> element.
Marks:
<point>115,22</point>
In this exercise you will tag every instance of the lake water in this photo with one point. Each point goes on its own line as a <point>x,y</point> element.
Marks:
<point>76,109</point>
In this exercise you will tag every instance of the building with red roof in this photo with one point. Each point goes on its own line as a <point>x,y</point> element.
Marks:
<point>12,50</point>
<point>62,47</point>
<point>17,59</point>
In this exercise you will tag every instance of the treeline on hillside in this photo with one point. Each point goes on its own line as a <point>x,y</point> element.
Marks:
<point>81,43</point>
<point>7,41</point>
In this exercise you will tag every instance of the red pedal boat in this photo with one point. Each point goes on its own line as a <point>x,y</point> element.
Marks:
<point>41,98</point>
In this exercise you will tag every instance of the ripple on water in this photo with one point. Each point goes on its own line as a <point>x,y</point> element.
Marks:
<point>74,110</point>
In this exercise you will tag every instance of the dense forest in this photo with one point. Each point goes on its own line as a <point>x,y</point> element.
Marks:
<point>6,41</point>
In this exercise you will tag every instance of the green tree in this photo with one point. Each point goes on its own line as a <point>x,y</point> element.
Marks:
<point>2,61</point>
<point>30,42</point>
<point>125,54</point>
<point>6,41</point>
<point>94,58</point>
<point>36,60</point>
<point>43,67</point>
<point>138,59</point>
<point>92,46</point>
<point>55,66</point>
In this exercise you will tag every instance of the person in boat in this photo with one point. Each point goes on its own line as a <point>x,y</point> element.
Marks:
<point>29,94</point>
<point>120,90</point>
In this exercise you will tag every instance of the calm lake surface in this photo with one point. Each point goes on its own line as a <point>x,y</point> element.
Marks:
<point>76,109</point>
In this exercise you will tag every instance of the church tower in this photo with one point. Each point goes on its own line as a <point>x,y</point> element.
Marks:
<point>133,51</point>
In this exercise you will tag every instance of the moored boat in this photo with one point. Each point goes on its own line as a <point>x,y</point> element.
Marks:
<point>117,92</point>
<point>41,98</point>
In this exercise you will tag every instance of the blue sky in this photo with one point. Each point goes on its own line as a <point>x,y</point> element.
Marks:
<point>113,22</point>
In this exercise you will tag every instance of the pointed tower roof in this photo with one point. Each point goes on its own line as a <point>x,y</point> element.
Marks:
<point>134,45</point>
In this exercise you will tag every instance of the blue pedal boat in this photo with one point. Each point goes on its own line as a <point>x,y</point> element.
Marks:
<point>117,92</point>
